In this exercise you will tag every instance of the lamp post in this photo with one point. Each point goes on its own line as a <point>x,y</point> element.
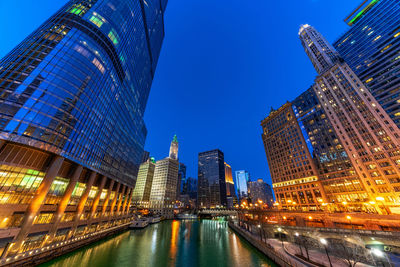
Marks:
<point>280,235</point>
<point>298,242</point>
<point>325,243</point>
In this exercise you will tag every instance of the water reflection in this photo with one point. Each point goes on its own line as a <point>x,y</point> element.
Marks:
<point>170,243</point>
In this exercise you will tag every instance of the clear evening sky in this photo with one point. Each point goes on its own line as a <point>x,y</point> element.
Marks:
<point>223,64</point>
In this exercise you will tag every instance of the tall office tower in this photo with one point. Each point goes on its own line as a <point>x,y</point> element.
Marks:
<point>173,150</point>
<point>146,156</point>
<point>230,187</point>
<point>191,187</point>
<point>242,178</point>
<point>141,193</point>
<point>211,180</point>
<point>370,137</point>
<point>181,179</point>
<point>294,174</point>
<point>337,174</point>
<point>164,189</point>
<point>371,48</point>
<point>261,193</point>
<point>73,95</point>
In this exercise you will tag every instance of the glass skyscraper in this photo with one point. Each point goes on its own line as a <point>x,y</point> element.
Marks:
<point>211,180</point>
<point>371,48</point>
<point>72,100</point>
<point>242,179</point>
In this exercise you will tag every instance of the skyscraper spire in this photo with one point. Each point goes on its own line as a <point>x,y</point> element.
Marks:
<point>322,55</point>
<point>173,150</point>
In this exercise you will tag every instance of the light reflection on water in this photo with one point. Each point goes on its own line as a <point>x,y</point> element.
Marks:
<point>170,243</point>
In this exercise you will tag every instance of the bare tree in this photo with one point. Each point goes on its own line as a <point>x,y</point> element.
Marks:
<point>350,253</point>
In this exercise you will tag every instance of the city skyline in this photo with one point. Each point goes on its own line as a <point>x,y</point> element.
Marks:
<point>252,157</point>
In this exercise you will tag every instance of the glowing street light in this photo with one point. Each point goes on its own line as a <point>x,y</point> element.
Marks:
<point>280,235</point>
<point>325,243</point>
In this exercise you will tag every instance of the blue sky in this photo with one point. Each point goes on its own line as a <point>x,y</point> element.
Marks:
<point>223,65</point>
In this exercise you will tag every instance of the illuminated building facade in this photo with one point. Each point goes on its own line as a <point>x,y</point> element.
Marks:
<point>368,135</point>
<point>260,193</point>
<point>164,188</point>
<point>242,178</point>
<point>230,187</point>
<point>336,172</point>
<point>73,95</point>
<point>371,48</point>
<point>211,180</point>
<point>141,192</point>
<point>294,174</point>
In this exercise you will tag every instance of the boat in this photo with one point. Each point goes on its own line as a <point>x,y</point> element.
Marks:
<point>155,219</point>
<point>187,216</point>
<point>139,224</point>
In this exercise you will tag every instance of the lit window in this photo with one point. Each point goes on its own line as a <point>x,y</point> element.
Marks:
<point>397,35</point>
<point>369,80</point>
<point>386,47</point>
<point>113,37</point>
<point>376,38</point>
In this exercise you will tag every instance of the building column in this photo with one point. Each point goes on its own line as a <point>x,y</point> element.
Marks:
<point>105,204</point>
<point>97,198</point>
<point>114,201</point>
<point>82,202</point>
<point>128,193</point>
<point>36,203</point>
<point>120,199</point>
<point>64,202</point>
<point>126,207</point>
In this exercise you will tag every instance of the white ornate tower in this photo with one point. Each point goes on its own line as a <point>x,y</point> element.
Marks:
<point>173,150</point>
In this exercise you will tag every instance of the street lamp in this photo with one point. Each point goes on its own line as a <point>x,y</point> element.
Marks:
<point>325,243</point>
<point>280,235</point>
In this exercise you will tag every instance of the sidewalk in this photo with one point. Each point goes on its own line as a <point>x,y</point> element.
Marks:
<point>315,255</point>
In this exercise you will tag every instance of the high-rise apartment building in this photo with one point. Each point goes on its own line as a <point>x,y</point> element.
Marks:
<point>141,192</point>
<point>242,178</point>
<point>73,95</point>
<point>294,174</point>
<point>368,135</point>
<point>371,48</point>
<point>163,194</point>
<point>260,193</point>
<point>336,172</point>
<point>211,180</point>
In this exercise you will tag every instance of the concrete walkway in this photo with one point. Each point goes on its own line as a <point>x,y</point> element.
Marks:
<point>315,255</point>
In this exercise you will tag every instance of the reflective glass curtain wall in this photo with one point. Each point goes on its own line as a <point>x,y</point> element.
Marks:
<point>79,84</point>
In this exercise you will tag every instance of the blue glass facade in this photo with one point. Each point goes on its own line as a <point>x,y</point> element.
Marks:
<point>211,180</point>
<point>371,47</point>
<point>79,84</point>
<point>242,180</point>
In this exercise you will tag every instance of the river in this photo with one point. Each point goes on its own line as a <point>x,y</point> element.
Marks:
<point>203,243</point>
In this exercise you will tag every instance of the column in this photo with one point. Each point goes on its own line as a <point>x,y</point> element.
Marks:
<point>114,201</point>
<point>129,202</point>
<point>97,198</point>
<point>36,202</point>
<point>128,193</point>
<point>120,199</point>
<point>82,201</point>
<point>64,202</point>
<point>105,204</point>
